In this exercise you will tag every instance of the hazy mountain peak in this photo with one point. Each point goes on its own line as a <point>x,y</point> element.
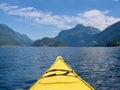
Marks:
<point>4,26</point>
<point>9,37</point>
<point>78,35</point>
<point>79,26</point>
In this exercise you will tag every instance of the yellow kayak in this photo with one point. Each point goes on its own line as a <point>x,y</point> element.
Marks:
<point>60,77</point>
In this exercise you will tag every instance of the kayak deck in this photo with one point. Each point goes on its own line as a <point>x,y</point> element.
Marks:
<point>60,77</point>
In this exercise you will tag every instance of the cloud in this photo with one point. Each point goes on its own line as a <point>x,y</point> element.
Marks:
<point>95,18</point>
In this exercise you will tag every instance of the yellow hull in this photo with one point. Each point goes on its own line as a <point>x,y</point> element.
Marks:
<point>60,77</point>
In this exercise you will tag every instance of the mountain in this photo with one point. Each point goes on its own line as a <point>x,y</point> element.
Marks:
<point>8,37</point>
<point>110,35</point>
<point>48,42</point>
<point>77,36</point>
<point>84,36</point>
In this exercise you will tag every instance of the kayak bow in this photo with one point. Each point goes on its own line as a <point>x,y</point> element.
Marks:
<point>60,77</point>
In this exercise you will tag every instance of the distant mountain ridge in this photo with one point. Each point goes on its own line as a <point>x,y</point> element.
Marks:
<point>109,35</point>
<point>77,36</point>
<point>82,35</point>
<point>48,42</point>
<point>9,37</point>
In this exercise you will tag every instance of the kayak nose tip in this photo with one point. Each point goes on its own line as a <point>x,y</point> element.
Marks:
<point>59,57</point>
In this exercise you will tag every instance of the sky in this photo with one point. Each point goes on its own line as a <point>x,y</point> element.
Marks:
<point>46,18</point>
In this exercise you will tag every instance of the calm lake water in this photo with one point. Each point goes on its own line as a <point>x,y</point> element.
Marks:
<point>21,67</point>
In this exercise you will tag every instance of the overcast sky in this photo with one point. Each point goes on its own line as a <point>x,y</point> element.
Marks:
<point>46,18</point>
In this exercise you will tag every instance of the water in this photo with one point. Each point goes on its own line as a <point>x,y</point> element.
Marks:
<point>21,67</point>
